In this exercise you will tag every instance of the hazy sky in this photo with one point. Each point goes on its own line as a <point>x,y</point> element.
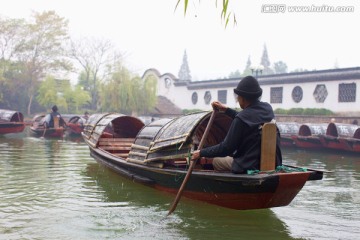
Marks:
<point>153,35</point>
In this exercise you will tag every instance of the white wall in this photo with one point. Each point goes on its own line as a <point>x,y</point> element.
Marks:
<point>181,95</point>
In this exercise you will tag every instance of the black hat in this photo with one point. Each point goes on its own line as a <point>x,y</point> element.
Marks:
<point>248,88</point>
<point>54,108</point>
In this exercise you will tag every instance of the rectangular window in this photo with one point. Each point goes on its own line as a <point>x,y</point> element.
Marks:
<point>276,94</point>
<point>347,92</point>
<point>222,95</point>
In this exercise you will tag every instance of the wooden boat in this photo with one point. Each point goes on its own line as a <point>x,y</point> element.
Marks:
<point>287,130</point>
<point>75,124</point>
<point>309,135</point>
<point>156,155</point>
<point>38,128</point>
<point>11,121</point>
<point>340,136</point>
<point>352,143</point>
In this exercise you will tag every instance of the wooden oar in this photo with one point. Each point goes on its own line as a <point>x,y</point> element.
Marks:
<point>44,131</point>
<point>192,165</point>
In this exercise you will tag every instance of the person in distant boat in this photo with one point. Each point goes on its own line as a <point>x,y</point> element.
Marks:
<point>86,115</point>
<point>84,119</point>
<point>240,150</point>
<point>49,118</point>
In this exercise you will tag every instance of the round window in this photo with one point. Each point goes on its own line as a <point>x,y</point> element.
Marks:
<point>194,98</point>
<point>207,97</point>
<point>297,94</point>
<point>167,82</point>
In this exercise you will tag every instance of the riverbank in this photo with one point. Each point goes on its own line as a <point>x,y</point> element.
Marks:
<point>316,119</point>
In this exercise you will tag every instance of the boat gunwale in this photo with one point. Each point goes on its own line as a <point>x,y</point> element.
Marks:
<point>196,172</point>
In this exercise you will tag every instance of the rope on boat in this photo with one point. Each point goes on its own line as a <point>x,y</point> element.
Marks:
<point>283,169</point>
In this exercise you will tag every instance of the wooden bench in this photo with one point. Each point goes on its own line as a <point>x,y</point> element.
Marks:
<point>56,121</point>
<point>117,146</point>
<point>268,147</point>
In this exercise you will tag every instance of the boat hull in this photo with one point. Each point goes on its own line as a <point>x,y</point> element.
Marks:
<point>287,141</point>
<point>6,128</point>
<point>330,142</point>
<point>74,129</point>
<point>235,191</point>
<point>48,132</point>
<point>311,142</point>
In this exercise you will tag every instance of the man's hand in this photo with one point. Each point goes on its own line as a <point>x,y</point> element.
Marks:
<point>195,155</point>
<point>216,105</point>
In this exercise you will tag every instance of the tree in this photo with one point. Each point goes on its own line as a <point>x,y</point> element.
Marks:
<point>13,91</point>
<point>226,14</point>
<point>42,50</point>
<point>75,97</point>
<point>95,57</point>
<point>280,67</point>
<point>123,92</point>
<point>11,34</point>
<point>47,93</point>
<point>61,93</point>
<point>236,74</point>
<point>299,70</point>
<point>184,72</point>
<point>265,62</point>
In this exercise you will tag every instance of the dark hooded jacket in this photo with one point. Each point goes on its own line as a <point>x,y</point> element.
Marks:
<point>243,140</point>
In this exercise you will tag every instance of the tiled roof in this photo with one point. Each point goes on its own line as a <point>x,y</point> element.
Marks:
<point>298,77</point>
<point>165,107</point>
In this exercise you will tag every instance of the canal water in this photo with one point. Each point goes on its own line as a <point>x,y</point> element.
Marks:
<point>53,189</point>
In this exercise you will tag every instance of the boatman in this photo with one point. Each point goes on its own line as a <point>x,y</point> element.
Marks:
<point>49,119</point>
<point>240,150</point>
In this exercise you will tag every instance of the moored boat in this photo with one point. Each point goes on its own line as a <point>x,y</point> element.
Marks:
<point>39,129</point>
<point>352,143</point>
<point>340,136</point>
<point>157,155</point>
<point>287,131</point>
<point>309,135</point>
<point>11,121</point>
<point>75,125</point>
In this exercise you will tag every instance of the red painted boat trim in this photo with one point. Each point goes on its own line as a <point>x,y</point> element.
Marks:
<point>351,144</point>
<point>74,128</point>
<point>50,132</point>
<point>11,128</point>
<point>307,142</point>
<point>333,143</point>
<point>289,186</point>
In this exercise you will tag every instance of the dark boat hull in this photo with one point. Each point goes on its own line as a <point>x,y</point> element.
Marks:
<point>6,128</point>
<point>311,142</point>
<point>74,129</point>
<point>287,141</point>
<point>351,144</point>
<point>11,121</point>
<point>333,143</point>
<point>48,132</point>
<point>235,191</point>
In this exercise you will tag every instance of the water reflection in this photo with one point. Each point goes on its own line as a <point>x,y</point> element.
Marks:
<point>330,202</point>
<point>74,138</point>
<point>194,219</point>
<point>53,189</point>
<point>11,141</point>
